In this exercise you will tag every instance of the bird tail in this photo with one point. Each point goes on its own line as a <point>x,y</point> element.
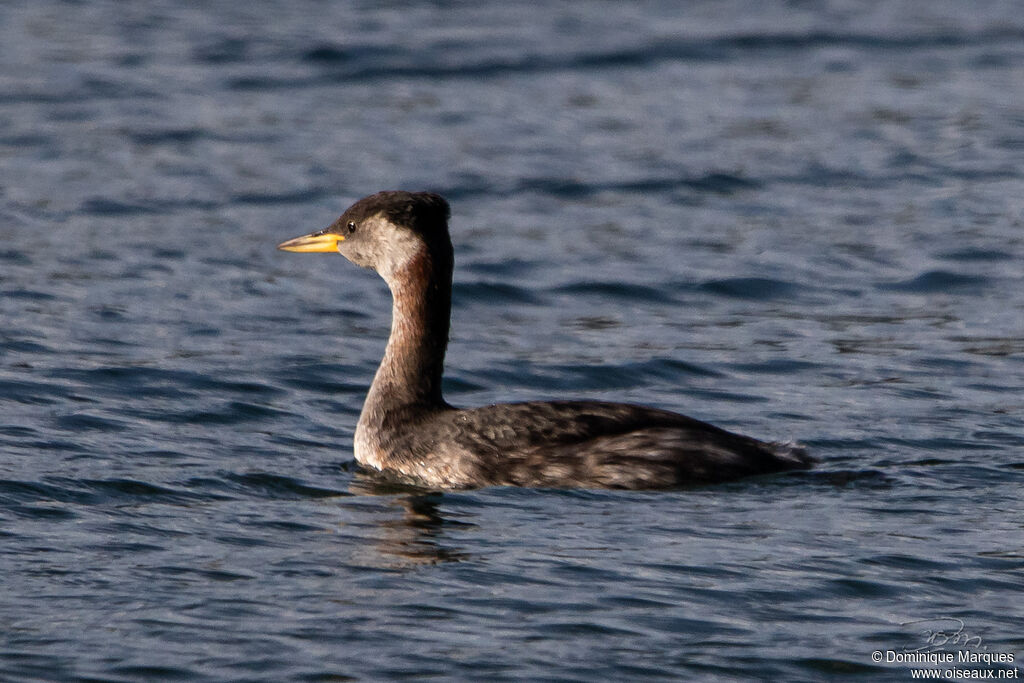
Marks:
<point>793,454</point>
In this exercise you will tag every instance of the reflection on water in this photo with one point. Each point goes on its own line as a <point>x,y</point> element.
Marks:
<point>417,536</point>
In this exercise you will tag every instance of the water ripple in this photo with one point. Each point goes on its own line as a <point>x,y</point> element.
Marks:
<point>373,64</point>
<point>937,281</point>
<point>755,288</point>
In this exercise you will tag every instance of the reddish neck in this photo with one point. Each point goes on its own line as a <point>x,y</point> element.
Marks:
<point>410,373</point>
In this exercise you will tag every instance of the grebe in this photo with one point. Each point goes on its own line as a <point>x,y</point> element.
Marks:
<point>406,427</point>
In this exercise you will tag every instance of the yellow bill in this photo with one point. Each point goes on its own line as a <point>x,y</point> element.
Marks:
<point>316,242</point>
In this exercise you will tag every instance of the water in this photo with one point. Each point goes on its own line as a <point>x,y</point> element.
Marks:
<point>798,220</point>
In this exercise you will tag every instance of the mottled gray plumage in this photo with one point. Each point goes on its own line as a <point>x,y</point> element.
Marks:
<point>406,427</point>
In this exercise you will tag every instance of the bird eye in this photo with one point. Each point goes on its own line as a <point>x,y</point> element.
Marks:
<point>351,226</point>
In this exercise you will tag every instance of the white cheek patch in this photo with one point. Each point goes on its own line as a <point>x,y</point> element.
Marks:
<point>397,248</point>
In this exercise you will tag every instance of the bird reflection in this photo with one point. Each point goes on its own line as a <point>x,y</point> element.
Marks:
<point>417,536</point>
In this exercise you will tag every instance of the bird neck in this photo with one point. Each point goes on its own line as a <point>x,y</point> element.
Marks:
<point>409,376</point>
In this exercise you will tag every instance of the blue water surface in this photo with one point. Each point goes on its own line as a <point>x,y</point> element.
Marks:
<point>798,220</point>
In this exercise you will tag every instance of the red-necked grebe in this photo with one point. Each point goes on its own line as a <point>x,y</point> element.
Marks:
<point>406,427</point>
